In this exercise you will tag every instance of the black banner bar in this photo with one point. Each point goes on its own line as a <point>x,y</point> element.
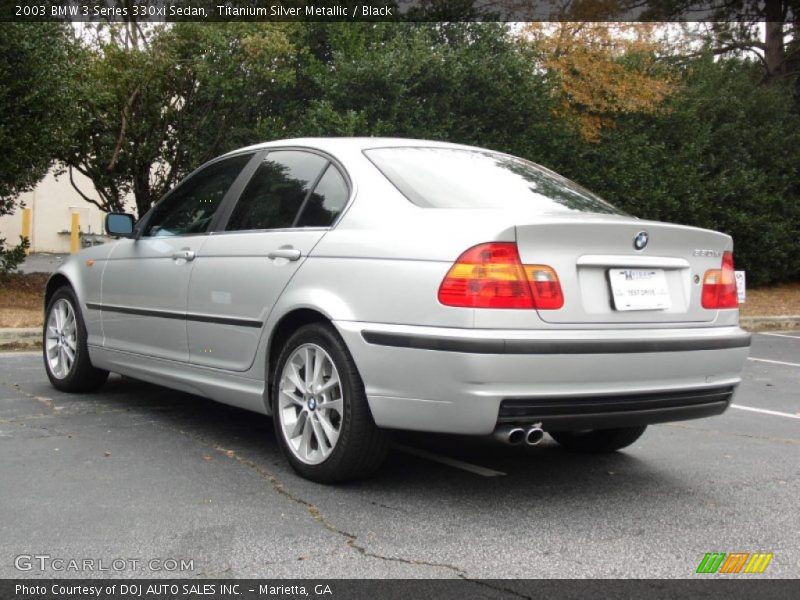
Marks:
<point>705,586</point>
<point>159,11</point>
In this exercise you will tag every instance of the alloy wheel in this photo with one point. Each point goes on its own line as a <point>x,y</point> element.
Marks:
<point>61,338</point>
<point>310,404</point>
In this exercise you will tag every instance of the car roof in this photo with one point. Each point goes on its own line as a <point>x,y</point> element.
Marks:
<point>332,144</point>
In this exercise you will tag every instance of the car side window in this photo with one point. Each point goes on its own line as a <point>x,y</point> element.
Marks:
<point>191,206</point>
<point>277,191</point>
<point>326,201</point>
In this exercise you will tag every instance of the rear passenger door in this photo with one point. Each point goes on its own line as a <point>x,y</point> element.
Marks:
<point>292,199</point>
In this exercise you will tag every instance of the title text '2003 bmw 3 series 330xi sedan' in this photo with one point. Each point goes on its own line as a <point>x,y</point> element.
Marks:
<point>352,286</point>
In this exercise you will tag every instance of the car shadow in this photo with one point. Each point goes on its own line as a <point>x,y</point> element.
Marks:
<point>543,473</point>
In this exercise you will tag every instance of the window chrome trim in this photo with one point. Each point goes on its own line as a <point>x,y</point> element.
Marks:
<point>222,227</point>
<point>287,229</point>
<point>141,224</point>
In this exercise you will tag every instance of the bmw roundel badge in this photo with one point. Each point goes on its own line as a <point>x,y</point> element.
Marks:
<point>640,241</point>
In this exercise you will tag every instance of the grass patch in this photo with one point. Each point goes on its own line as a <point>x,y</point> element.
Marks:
<point>21,298</point>
<point>783,299</point>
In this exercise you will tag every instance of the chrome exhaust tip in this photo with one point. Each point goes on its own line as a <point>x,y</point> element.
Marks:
<point>534,436</point>
<point>516,436</point>
<point>508,434</point>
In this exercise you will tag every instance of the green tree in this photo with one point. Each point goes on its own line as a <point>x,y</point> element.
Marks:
<point>156,104</point>
<point>35,111</point>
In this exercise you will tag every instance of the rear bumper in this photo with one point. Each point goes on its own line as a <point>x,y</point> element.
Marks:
<point>468,380</point>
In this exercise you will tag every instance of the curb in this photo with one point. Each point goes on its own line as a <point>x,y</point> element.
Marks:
<point>20,338</point>
<point>782,322</point>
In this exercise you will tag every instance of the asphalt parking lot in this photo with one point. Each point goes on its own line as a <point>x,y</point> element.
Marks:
<point>137,471</point>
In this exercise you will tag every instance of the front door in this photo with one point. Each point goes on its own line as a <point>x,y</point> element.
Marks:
<point>145,281</point>
<point>289,203</point>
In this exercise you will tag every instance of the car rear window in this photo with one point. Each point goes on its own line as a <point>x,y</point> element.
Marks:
<point>462,178</point>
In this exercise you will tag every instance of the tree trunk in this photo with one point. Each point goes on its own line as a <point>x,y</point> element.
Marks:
<point>774,52</point>
<point>142,192</point>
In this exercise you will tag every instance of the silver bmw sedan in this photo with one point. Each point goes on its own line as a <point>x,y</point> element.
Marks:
<point>352,286</point>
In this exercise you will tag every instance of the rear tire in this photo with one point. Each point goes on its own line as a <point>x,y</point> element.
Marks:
<point>327,398</point>
<point>66,355</point>
<point>598,441</point>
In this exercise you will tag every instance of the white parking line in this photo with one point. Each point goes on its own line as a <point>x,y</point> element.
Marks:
<point>774,362</point>
<point>22,353</point>
<point>765,411</point>
<point>794,337</point>
<point>450,462</point>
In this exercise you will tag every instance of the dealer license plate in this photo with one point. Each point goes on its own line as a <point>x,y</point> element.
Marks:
<point>639,289</point>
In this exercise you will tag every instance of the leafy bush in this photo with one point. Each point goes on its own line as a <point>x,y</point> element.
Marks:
<point>723,153</point>
<point>11,257</point>
<point>461,82</point>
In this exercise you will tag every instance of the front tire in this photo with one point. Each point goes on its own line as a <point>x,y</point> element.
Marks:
<point>598,441</point>
<point>322,419</point>
<point>66,356</point>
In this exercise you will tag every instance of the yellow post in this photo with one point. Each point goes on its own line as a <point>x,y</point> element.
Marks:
<point>75,239</point>
<point>26,226</point>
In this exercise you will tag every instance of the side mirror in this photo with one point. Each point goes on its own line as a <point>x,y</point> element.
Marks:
<point>120,224</point>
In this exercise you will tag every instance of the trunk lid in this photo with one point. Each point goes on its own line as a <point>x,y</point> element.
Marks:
<point>606,279</point>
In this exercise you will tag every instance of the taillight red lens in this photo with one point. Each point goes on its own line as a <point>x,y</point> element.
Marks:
<point>545,286</point>
<point>719,285</point>
<point>492,276</point>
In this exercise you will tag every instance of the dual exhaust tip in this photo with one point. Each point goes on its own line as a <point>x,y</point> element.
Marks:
<point>514,435</point>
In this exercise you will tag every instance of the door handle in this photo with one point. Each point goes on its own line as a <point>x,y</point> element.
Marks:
<point>287,253</point>
<point>185,254</point>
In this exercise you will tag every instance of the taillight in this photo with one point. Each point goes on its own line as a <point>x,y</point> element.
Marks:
<point>545,287</point>
<point>719,285</point>
<point>493,276</point>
